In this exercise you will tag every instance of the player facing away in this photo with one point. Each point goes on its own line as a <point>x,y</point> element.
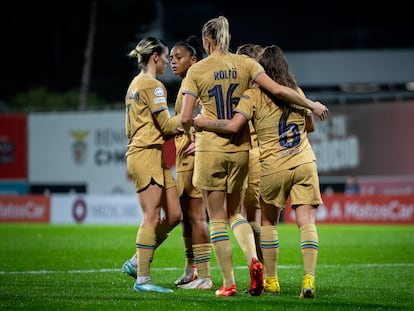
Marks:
<point>147,123</point>
<point>288,167</point>
<point>251,203</point>
<point>221,161</point>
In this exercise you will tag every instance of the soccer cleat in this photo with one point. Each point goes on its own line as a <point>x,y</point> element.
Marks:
<point>229,291</point>
<point>129,269</point>
<point>200,283</point>
<point>189,275</point>
<point>256,278</point>
<point>308,286</point>
<point>271,285</point>
<point>150,287</point>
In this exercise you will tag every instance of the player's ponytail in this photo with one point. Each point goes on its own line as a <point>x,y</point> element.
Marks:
<point>145,48</point>
<point>218,29</point>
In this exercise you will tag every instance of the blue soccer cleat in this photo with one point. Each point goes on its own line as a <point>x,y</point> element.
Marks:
<point>129,269</point>
<point>151,287</point>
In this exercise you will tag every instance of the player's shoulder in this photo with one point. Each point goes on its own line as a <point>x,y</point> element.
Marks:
<point>150,83</point>
<point>242,57</point>
<point>300,91</point>
<point>200,64</point>
<point>145,86</point>
<point>194,71</point>
<point>252,92</point>
<point>249,64</point>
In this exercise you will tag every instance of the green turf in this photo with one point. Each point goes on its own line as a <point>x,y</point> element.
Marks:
<point>77,267</point>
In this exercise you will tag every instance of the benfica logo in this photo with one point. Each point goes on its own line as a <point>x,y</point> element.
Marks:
<point>79,146</point>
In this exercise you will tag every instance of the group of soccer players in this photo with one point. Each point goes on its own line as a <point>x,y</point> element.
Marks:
<point>240,96</point>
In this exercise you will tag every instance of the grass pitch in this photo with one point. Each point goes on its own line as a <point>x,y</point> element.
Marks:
<point>77,267</point>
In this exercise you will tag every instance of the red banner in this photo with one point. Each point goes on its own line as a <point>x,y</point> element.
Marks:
<point>27,208</point>
<point>361,209</point>
<point>13,147</point>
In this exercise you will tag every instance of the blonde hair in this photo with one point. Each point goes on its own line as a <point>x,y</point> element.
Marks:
<point>218,29</point>
<point>145,48</point>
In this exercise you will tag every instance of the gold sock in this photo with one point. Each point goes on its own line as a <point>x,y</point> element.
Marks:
<point>244,236</point>
<point>145,243</point>
<point>162,231</point>
<point>270,248</point>
<point>309,246</point>
<point>202,256</point>
<point>222,249</point>
<point>257,232</point>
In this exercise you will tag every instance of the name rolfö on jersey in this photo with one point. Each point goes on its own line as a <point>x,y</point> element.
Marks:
<point>225,74</point>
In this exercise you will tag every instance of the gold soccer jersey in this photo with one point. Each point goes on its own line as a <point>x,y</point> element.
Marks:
<point>220,80</point>
<point>145,97</point>
<point>184,162</point>
<point>290,147</point>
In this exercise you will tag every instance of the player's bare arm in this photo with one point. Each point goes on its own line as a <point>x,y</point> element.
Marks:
<point>186,117</point>
<point>221,126</point>
<point>291,96</point>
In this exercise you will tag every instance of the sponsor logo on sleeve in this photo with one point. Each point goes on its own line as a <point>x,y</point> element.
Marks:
<point>160,99</point>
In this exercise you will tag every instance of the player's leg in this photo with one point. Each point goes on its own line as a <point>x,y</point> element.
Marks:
<point>219,236</point>
<point>201,244</point>
<point>150,200</point>
<point>270,245</point>
<point>183,178</point>
<point>236,184</point>
<point>305,198</point>
<point>156,189</point>
<point>210,176</point>
<point>251,205</point>
<point>274,189</point>
<point>190,271</point>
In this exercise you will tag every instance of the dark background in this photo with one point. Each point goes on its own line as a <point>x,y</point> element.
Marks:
<point>43,42</point>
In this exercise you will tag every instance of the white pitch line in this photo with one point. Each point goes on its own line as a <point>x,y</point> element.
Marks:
<point>361,266</point>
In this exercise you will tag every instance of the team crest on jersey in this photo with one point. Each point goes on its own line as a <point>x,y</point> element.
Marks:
<point>158,91</point>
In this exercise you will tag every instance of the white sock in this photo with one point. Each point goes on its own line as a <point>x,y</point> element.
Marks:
<point>143,279</point>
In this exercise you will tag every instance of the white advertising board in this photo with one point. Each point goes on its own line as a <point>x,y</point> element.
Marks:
<point>95,209</point>
<point>86,148</point>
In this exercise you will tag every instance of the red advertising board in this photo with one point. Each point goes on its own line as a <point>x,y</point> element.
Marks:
<point>27,208</point>
<point>13,146</point>
<point>362,209</point>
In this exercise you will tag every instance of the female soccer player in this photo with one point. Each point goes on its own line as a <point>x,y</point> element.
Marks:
<point>221,162</point>
<point>288,167</point>
<point>251,202</point>
<point>147,122</point>
<point>195,233</point>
